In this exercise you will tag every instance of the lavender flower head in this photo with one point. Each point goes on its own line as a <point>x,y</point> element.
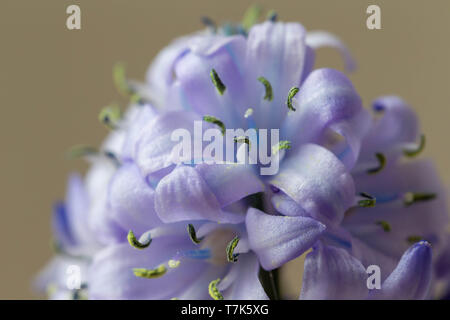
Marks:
<point>348,186</point>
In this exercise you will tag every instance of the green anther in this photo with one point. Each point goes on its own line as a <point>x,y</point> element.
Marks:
<point>208,22</point>
<point>231,257</point>
<point>268,87</point>
<point>411,197</point>
<point>216,121</point>
<point>272,16</point>
<point>135,242</point>
<point>123,86</point>
<point>251,17</point>
<point>112,156</point>
<point>150,273</point>
<point>217,82</point>
<point>418,150</point>
<point>385,225</point>
<point>369,202</point>
<point>192,234</point>
<point>136,98</point>
<point>381,164</point>
<point>81,151</point>
<point>414,239</point>
<point>110,116</point>
<point>291,95</point>
<point>283,144</point>
<point>248,113</point>
<point>120,79</point>
<point>243,139</point>
<point>213,291</point>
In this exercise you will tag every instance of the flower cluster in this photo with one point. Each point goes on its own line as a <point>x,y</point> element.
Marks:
<point>349,189</point>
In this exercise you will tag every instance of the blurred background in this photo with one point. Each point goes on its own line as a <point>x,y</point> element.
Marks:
<point>54,81</point>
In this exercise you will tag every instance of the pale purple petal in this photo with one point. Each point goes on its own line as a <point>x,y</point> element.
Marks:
<point>154,147</point>
<point>111,273</point>
<point>160,72</point>
<point>55,274</point>
<point>427,219</point>
<point>277,52</point>
<point>230,182</point>
<point>141,116</point>
<point>131,200</point>
<point>246,284</point>
<point>319,39</point>
<point>60,226</point>
<point>70,219</point>
<point>211,44</point>
<point>160,75</point>
<point>327,102</point>
<point>310,60</point>
<point>77,204</point>
<point>287,206</point>
<point>398,125</point>
<point>332,273</point>
<point>104,229</point>
<point>194,89</point>
<point>279,239</point>
<point>370,255</point>
<point>317,181</point>
<point>185,195</point>
<point>198,289</point>
<point>411,278</point>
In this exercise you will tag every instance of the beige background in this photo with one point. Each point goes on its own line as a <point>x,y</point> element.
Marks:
<point>54,81</point>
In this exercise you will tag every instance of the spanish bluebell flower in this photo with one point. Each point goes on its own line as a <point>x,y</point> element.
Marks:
<point>318,184</point>
<point>318,187</point>
<point>343,187</point>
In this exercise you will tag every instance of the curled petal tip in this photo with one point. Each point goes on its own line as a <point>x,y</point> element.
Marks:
<point>424,243</point>
<point>412,276</point>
